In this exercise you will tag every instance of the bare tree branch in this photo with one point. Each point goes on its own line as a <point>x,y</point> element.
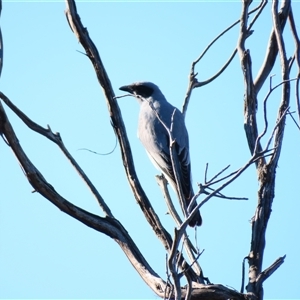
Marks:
<point>162,182</point>
<point>266,171</point>
<point>56,138</point>
<point>250,100</point>
<point>108,225</point>
<point>290,113</point>
<point>189,285</point>
<point>285,87</point>
<point>180,232</point>
<point>223,68</point>
<point>259,10</point>
<point>235,175</point>
<point>193,82</point>
<point>190,249</point>
<point>118,125</point>
<point>269,271</point>
<point>265,115</point>
<point>243,274</point>
<point>272,50</point>
<point>172,265</point>
<point>216,176</point>
<point>82,34</point>
<point>260,7</point>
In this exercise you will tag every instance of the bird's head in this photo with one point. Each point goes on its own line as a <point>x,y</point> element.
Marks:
<point>143,90</point>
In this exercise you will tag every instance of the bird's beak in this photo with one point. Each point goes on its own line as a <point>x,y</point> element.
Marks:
<point>126,88</point>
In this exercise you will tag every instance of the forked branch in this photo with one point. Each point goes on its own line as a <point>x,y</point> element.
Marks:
<point>193,82</point>
<point>81,33</point>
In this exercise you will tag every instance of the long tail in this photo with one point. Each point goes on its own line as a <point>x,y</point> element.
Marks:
<point>197,219</point>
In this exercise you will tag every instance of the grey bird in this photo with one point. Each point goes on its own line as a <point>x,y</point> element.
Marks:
<point>155,110</point>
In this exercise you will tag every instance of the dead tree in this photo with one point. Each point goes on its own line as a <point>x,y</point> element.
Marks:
<point>264,157</point>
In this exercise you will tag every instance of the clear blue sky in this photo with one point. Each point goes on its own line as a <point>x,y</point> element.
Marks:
<point>47,254</point>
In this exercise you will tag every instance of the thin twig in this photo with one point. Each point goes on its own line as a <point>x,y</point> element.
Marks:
<point>260,8</point>
<point>243,274</point>
<point>217,175</point>
<point>222,69</point>
<point>237,173</point>
<point>193,82</point>
<point>205,172</point>
<point>278,123</point>
<point>193,262</point>
<point>162,182</point>
<point>221,179</point>
<point>265,113</point>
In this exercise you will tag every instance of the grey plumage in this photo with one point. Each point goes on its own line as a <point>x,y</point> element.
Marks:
<point>155,137</point>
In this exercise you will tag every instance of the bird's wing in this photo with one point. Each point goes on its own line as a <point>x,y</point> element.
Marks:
<point>185,171</point>
<point>164,163</point>
<point>156,141</point>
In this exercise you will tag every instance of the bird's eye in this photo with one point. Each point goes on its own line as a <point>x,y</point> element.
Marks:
<point>144,91</point>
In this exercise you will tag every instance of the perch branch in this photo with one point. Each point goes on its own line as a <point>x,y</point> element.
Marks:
<point>189,247</point>
<point>118,125</point>
<point>82,35</point>
<point>162,182</point>
<point>175,167</point>
<point>109,226</point>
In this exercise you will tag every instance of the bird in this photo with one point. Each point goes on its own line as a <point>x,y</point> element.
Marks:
<point>156,113</point>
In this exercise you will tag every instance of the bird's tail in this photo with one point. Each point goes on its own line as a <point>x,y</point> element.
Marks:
<point>197,220</point>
